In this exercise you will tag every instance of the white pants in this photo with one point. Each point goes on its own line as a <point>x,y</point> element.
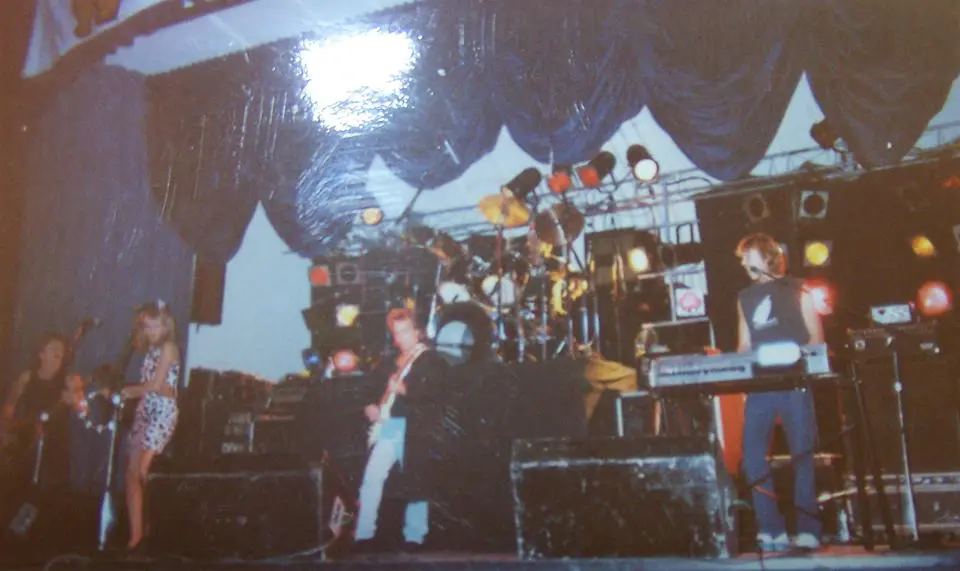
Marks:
<point>388,451</point>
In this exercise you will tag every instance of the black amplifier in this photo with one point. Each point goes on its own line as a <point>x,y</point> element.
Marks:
<point>621,497</point>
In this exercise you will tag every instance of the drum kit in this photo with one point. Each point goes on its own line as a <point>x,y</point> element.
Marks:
<point>503,299</point>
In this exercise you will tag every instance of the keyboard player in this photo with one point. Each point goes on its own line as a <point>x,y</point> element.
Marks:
<point>778,308</point>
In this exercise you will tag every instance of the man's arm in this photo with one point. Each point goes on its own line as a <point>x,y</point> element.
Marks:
<point>743,333</point>
<point>811,318</point>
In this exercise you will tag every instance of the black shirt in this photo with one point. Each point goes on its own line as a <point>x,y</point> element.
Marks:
<point>773,311</point>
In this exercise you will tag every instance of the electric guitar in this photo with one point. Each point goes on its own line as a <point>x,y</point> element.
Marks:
<point>390,395</point>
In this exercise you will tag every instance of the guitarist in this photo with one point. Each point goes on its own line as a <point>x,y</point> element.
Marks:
<point>48,387</point>
<point>406,431</point>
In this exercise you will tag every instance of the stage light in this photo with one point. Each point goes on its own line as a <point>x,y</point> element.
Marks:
<point>813,204</point>
<point>824,135</point>
<point>560,182</point>
<point>371,216</point>
<point>524,183</point>
<point>347,314</point>
<point>952,181</point>
<point>756,208</point>
<point>817,253</point>
<point>319,275</point>
<point>934,299</point>
<point>599,167</point>
<point>639,260</point>
<point>822,296</point>
<point>674,255</point>
<point>642,164</point>
<point>345,361</point>
<point>923,247</point>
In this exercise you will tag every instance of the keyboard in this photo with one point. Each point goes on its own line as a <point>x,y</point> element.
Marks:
<point>737,372</point>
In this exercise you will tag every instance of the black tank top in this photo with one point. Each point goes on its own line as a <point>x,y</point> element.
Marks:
<point>773,311</point>
<point>41,395</point>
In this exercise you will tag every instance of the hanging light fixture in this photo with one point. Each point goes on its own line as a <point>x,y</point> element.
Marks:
<point>642,164</point>
<point>599,168</point>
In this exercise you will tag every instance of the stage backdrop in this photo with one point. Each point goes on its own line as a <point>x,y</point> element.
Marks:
<point>93,242</point>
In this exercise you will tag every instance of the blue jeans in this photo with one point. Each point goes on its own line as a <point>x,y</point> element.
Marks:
<point>387,452</point>
<point>796,412</point>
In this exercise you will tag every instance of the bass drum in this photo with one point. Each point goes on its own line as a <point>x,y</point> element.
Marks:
<point>464,333</point>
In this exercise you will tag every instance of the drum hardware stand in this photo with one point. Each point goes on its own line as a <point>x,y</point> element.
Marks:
<point>432,317</point>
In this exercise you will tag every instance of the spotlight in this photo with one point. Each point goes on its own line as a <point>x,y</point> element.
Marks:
<point>319,275</point>
<point>817,253</point>
<point>345,361</point>
<point>824,135</point>
<point>347,314</point>
<point>756,208</point>
<point>642,164</point>
<point>822,296</point>
<point>934,299</point>
<point>813,204</point>
<point>639,260</point>
<point>599,167</point>
<point>923,247</point>
<point>371,216</point>
<point>559,182</point>
<point>524,183</point>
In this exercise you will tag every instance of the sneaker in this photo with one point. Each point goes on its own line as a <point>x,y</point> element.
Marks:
<point>771,544</point>
<point>806,542</point>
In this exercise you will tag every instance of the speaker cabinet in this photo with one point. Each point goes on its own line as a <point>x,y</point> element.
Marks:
<point>930,410</point>
<point>621,497</point>
<point>245,507</point>
<point>209,280</point>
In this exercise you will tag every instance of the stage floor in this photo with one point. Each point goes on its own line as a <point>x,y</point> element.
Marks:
<point>829,558</point>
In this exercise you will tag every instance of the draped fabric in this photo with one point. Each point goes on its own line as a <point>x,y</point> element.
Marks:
<point>561,76</point>
<point>93,244</point>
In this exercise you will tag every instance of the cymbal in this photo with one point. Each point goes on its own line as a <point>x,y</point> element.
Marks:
<point>445,247</point>
<point>563,216</point>
<point>506,209</point>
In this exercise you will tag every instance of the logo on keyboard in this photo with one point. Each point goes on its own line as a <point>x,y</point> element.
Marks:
<point>761,315</point>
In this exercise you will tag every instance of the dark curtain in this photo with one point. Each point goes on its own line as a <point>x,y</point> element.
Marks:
<point>93,242</point>
<point>561,76</point>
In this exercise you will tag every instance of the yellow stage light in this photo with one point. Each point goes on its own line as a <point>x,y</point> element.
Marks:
<point>923,247</point>
<point>347,314</point>
<point>816,253</point>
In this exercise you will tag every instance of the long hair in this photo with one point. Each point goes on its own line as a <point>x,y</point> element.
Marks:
<point>153,310</point>
<point>46,339</point>
<point>768,248</point>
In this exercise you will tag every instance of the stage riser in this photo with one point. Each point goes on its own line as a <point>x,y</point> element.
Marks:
<point>620,497</point>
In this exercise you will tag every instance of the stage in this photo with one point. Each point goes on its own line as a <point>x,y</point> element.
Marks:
<point>838,557</point>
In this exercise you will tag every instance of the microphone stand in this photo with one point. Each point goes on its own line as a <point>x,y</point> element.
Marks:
<point>107,512</point>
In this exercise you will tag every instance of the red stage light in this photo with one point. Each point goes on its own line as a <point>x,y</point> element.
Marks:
<point>934,299</point>
<point>319,276</point>
<point>822,295</point>
<point>345,361</point>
